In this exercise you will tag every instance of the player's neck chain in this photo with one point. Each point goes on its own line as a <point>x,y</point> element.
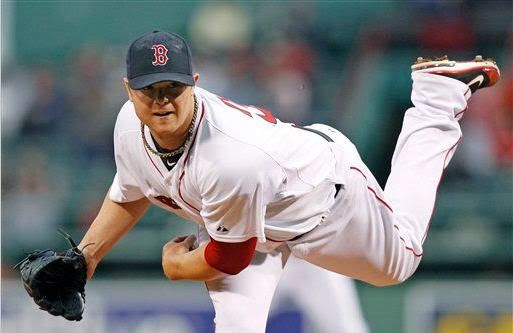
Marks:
<point>180,149</point>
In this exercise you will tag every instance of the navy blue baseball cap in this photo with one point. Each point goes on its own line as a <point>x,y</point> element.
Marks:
<point>158,56</point>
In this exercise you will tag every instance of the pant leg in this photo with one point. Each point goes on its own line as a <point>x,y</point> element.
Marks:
<point>241,302</point>
<point>374,235</point>
<point>328,300</point>
<point>426,144</point>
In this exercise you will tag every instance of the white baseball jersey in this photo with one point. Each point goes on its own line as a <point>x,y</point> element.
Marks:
<point>245,173</point>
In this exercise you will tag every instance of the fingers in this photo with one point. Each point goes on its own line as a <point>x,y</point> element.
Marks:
<point>189,241</point>
<point>179,239</point>
<point>186,241</point>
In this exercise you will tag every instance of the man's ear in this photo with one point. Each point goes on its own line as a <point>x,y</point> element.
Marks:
<point>127,87</point>
<point>196,79</point>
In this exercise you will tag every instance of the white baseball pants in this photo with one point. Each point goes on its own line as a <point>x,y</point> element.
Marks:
<point>328,301</point>
<point>376,236</point>
<point>372,235</point>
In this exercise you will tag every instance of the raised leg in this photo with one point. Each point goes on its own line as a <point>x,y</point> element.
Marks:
<point>374,235</point>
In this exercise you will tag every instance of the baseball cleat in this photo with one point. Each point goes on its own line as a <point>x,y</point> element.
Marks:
<point>477,73</point>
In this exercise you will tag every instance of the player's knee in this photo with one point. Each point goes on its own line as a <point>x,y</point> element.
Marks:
<point>391,278</point>
<point>387,281</point>
<point>382,281</point>
<point>397,272</point>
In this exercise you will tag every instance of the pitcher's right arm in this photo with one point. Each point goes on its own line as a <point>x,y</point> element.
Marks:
<point>113,221</point>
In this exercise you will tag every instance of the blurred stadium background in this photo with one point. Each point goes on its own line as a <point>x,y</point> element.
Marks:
<point>342,63</point>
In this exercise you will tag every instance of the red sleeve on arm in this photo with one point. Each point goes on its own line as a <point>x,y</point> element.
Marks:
<point>230,258</point>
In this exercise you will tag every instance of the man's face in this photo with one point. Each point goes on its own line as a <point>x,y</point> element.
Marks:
<point>165,107</point>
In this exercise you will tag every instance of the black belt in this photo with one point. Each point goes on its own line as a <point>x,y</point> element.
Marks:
<point>327,138</point>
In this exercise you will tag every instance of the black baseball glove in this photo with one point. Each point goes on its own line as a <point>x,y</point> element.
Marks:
<point>56,280</point>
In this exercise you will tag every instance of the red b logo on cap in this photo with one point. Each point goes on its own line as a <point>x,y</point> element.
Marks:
<point>160,54</point>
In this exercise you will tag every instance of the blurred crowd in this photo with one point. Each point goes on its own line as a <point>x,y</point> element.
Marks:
<point>347,69</point>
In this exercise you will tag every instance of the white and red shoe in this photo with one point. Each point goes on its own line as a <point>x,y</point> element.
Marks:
<point>477,73</point>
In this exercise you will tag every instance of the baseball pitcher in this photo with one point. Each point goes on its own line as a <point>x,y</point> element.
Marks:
<point>260,189</point>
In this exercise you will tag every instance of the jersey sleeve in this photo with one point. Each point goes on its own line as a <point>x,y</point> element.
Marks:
<point>230,258</point>
<point>235,192</point>
<point>124,187</point>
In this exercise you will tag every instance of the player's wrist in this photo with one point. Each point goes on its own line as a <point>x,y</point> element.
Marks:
<point>90,259</point>
<point>171,265</point>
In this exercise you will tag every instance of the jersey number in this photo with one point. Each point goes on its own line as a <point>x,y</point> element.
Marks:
<point>250,110</point>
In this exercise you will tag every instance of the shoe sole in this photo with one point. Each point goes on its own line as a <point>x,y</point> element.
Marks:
<point>458,69</point>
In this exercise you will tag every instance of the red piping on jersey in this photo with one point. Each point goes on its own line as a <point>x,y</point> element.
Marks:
<point>146,150</point>
<point>187,157</point>
<point>439,182</point>
<point>462,111</point>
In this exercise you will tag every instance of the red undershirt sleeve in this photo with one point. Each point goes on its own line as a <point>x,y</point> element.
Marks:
<point>230,258</point>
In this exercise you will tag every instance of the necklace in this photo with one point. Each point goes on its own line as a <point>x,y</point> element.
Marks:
<point>180,149</point>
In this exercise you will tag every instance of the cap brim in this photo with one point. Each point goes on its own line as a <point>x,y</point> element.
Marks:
<point>148,79</point>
